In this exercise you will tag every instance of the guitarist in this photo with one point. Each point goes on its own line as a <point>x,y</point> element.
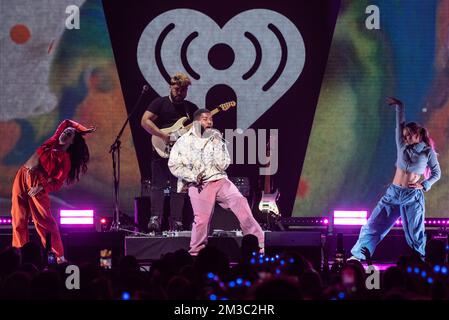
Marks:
<point>163,112</point>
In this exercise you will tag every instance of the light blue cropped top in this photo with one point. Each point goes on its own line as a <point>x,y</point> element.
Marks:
<point>415,158</point>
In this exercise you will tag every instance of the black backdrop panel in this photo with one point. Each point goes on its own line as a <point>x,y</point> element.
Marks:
<point>290,99</point>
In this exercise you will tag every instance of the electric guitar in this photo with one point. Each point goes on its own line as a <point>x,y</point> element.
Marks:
<point>268,202</point>
<point>178,129</point>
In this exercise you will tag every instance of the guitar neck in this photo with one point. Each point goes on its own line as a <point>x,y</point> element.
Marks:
<point>213,112</point>
<point>267,184</point>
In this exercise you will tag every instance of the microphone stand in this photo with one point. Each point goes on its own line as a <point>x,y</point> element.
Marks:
<point>115,152</point>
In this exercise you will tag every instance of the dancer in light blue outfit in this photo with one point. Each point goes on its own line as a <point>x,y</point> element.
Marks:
<point>404,198</point>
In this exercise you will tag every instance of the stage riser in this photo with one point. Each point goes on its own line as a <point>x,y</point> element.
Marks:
<point>86,246</point>
<point>313,245</point>
<point>389,249</point>
<point>152,248</point>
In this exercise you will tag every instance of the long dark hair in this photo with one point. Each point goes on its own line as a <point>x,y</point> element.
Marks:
<point>79,157</point>
<point>416,128</point>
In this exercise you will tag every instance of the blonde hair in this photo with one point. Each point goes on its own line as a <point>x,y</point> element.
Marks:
<point>180,79</point>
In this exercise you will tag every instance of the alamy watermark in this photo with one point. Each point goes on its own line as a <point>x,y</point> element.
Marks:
<point>372,281</point>
<point>73,20</point>
<point>250,146</point>
<point>373,20</point>
<point>72,281</point>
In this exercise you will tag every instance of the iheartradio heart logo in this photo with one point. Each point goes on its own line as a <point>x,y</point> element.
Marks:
<point>265,54</point>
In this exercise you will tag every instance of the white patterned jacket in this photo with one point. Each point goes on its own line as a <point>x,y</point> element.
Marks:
<point>192,155</point>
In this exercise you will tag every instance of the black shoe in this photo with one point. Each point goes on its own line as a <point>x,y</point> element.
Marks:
<point>154,225</point>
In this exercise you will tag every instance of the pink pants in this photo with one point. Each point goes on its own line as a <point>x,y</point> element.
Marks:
<point>229,197</point>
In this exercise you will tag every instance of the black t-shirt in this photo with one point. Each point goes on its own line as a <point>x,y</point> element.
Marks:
<point>168,113</point>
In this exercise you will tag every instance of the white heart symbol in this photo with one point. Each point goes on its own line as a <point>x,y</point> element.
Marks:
<point>269,28</point>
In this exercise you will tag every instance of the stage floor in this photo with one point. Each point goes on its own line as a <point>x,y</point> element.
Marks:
<point>312,244</point>
<point>86,245</point>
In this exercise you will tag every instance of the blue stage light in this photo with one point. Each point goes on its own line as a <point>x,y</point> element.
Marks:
<point>126,296</point>
<point>444,270</point>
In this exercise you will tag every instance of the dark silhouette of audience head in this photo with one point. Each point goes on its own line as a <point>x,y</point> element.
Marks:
<point>16,286</point>
<point>311,285</point>
<point>179,288</point>
<point>46,285</point>
<point>436,252</point>
<point>10,261</point>
<point>181,259</point>
<point>129,264</point>
<point>32,253</point>
<point>353,279</point>
<point>178,276</point>
<point>277,289</point>
<point>250,244</point>
<point>211,259</point>
<point>393,280</point>
<point>297,263</point>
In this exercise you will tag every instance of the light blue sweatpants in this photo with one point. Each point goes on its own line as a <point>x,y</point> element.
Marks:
<point>403,202</point>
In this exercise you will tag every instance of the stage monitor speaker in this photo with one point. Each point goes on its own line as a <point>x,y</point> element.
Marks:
<point>306,243</point>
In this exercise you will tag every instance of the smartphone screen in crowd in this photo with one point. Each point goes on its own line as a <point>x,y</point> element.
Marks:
<point>106,259</point>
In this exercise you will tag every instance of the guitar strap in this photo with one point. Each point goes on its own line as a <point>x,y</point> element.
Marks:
<point>186,111</point>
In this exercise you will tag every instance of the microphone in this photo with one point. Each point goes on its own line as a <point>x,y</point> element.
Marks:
<point>213,134</point>
<point>145,88</point>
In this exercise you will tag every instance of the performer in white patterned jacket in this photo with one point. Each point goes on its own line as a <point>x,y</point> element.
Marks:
<point>199,159</point>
